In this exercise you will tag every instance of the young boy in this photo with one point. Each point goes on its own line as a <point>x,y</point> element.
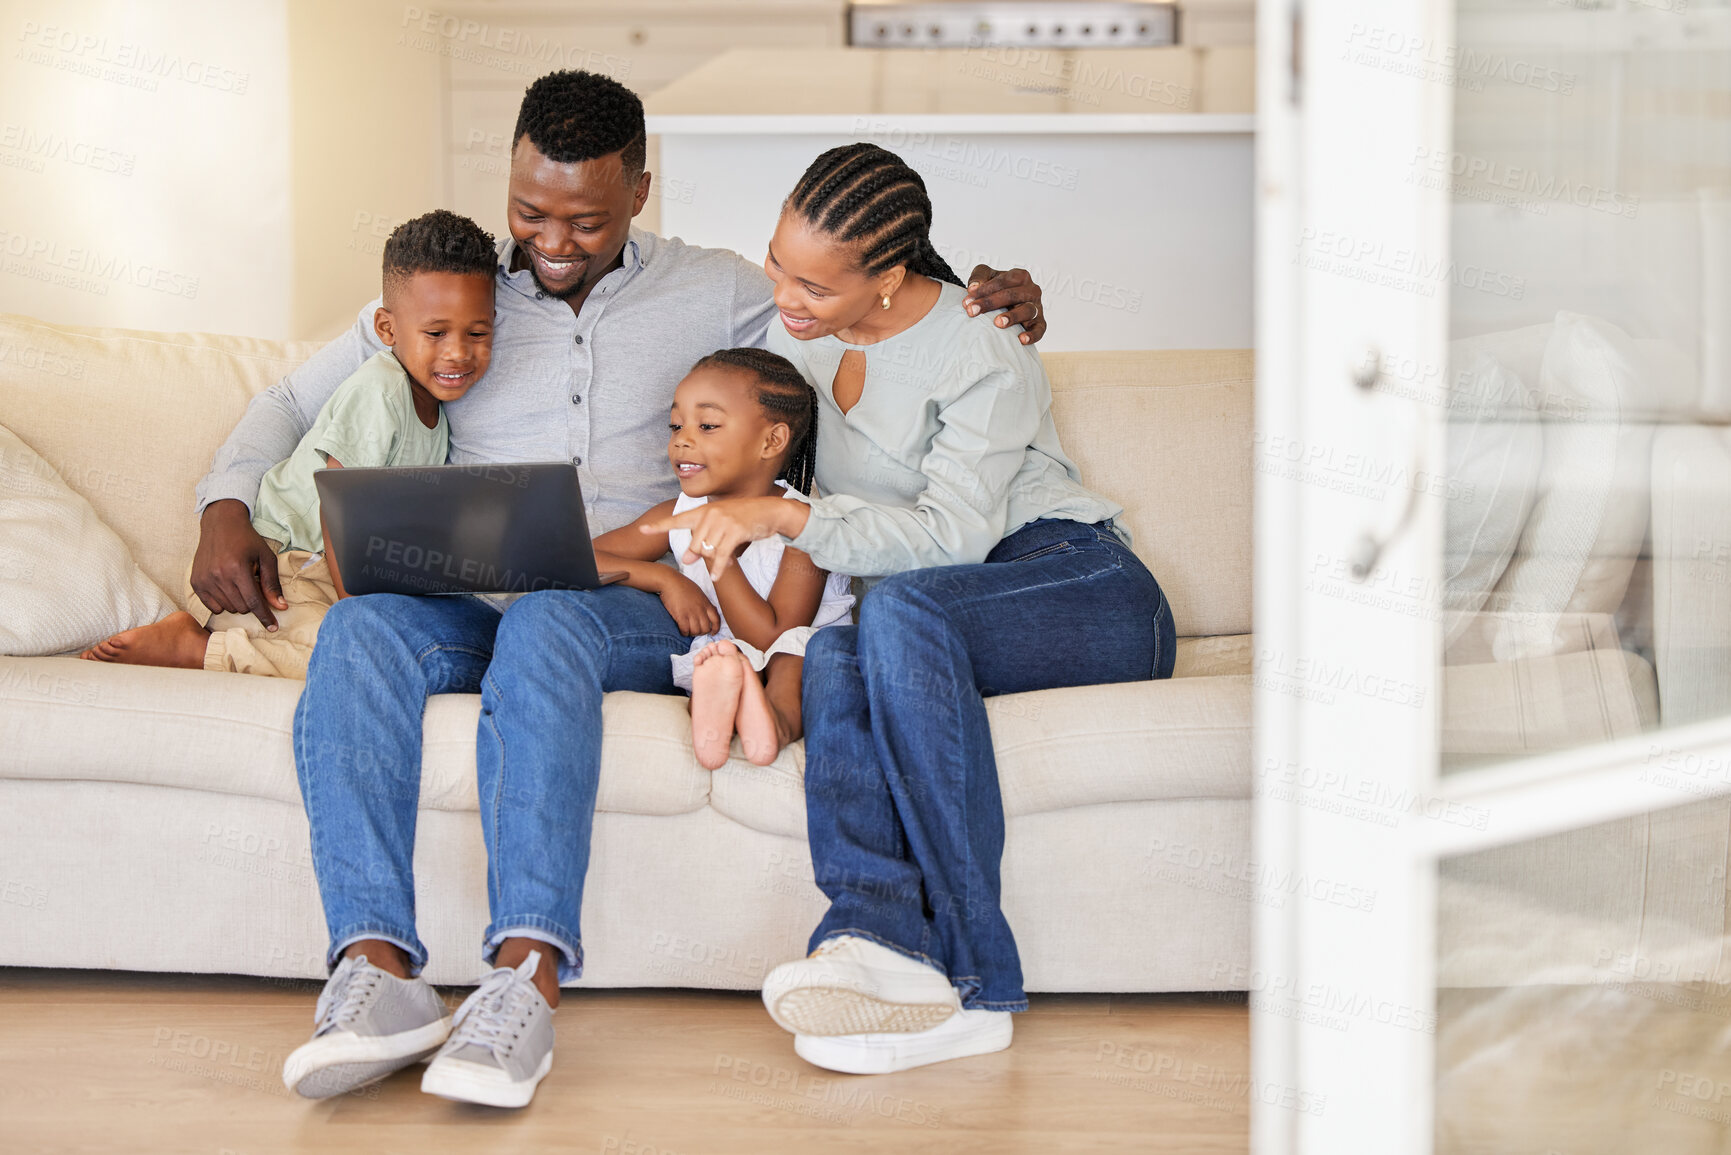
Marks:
<point>437,324</point>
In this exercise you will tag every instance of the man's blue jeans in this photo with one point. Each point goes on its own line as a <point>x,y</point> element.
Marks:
<point>541,669</point>
<point>902,803</point>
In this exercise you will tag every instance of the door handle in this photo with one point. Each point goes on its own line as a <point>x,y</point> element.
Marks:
<point>1374,542</point>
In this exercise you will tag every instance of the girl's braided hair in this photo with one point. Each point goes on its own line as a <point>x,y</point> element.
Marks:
<point>785,396</point>
<point>867,196</point>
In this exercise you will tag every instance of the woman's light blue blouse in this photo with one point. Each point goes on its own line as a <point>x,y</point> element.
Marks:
<point>950,448</point>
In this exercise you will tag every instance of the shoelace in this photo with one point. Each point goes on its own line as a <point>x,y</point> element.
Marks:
<point>500,1004</point>
<point>347,994</point>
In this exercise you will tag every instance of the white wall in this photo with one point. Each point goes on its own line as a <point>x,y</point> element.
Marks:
<point>144,164</point>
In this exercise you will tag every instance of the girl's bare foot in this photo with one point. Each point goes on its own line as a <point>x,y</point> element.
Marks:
<point>762,732</point>
<point>177,640</point>
<point>715,685</point>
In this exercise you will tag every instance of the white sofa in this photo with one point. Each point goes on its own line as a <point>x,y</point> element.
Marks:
<point>150,819</point>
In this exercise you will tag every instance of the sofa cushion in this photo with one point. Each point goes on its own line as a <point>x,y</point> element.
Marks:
<point>231,733</point>
<point>1139,742</point>
<point>1143,427</point>
<point>1211,657</point>
<point>61,718</point>
<point>1496,710</point>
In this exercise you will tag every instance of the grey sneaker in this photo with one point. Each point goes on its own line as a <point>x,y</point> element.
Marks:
<point>501,1043</point>
<point>369,1024</point>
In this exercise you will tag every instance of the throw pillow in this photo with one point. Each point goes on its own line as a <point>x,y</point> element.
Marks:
<point>1589,519</point>
<point>66,580</point>
<point>1493,471</point>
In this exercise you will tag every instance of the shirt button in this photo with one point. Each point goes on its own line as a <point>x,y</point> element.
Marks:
<point>539,295</point>
<point>576,399</point>
<point>576,461</point>
<point>579,338</point>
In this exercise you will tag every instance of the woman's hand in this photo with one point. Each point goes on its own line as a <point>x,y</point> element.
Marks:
<point>720,530</point>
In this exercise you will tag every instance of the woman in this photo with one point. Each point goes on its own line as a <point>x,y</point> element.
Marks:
<point>999,573</point>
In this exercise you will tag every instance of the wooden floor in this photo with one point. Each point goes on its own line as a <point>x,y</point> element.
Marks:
<point>116,1062</point>
<point>1611,1069</point>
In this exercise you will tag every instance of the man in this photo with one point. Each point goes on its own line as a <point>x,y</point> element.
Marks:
<point>596,323</point>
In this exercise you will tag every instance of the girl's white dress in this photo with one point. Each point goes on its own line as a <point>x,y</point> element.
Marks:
<point>760,562</point>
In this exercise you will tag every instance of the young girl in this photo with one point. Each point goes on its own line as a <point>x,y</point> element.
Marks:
<point>744,424</point>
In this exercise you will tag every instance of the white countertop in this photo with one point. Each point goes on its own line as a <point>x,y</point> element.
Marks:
<point>985,91</point>
<point>721,124</point>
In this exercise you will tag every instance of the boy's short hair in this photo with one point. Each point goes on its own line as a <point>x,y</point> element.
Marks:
<point>438,242</point>
<point>572,116</point>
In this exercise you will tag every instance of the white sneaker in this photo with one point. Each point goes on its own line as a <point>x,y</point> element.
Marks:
<point>853,986</point>
<point>369,1024</point>
<point>962,1034</point>
<point>501,1043</point>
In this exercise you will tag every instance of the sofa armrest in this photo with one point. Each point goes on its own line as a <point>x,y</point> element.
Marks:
<point>1692,572</point>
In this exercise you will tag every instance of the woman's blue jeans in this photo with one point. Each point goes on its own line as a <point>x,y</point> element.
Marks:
<point>902,805</point>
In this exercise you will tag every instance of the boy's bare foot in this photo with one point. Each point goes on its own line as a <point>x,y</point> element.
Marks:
<point>762,733</point>
<point>177,640</point>
<point>716,678</point>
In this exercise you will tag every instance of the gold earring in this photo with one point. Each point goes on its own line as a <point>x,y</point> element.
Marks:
<point>886,300</point>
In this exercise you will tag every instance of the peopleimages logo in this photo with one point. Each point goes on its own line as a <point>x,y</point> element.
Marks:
<point>422,568</point>
<point>1425,58</point>
<point>123,61</point>
<point>1374,261</point>
<point>89,268</point>
<point>1077,76</point>
<point>1523,185</point>
<point>39,145</point>
<point>520,51</point>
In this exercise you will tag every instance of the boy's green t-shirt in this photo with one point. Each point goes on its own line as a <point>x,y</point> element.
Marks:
<point>370,420</point>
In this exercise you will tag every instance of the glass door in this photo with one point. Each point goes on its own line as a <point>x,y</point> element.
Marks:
<point>1494,575</point>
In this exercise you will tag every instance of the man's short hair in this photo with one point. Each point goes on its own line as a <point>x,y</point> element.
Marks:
<point>438,242</point>
<point>573,116</point>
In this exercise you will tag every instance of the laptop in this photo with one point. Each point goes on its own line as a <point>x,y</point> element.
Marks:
<point>459,529</point>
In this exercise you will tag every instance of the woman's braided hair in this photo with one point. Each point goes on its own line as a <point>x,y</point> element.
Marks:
<point>867,196</point>
<point>785,396</point>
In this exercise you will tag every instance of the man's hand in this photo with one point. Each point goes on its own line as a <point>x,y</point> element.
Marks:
<point>234,569</point>
<point>690,610</point>
<point>1015,292</point>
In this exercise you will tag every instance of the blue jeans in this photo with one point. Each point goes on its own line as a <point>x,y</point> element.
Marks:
<point>902,805</point>
<point>541,669</point>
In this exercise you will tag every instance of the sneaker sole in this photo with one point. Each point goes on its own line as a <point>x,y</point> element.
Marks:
<point>468,1083</point>
<point>858,1058</point>
<point>837,1011</point>
<point>338,1064</point>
